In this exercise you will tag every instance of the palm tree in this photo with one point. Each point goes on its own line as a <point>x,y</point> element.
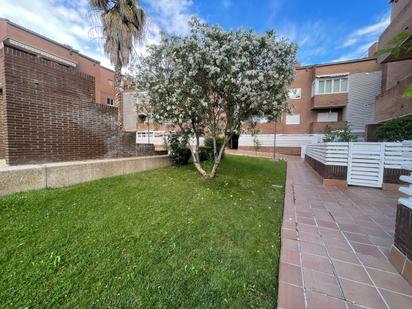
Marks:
<point>123,23</point>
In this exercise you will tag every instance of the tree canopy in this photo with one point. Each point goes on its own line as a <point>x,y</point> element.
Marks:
<point>212,81</point>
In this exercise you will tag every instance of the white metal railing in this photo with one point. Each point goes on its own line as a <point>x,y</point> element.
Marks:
<point>337,154</point>
<point>282,140</point>
<point>157,138</point>
<point>407,165</point>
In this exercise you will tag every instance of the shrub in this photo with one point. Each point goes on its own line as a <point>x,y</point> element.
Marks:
<point>205,153</point>
<point>209,145</point>
<point>178,150</point>
<point>339,135</point>
<point>396,130</point>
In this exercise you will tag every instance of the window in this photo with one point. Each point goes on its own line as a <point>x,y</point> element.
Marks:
<point>295,93</point>
<point>293,119</point>
<point>110,82</point>
<point>328,117</point>
<point>110,102</point>
<point>330,85</point>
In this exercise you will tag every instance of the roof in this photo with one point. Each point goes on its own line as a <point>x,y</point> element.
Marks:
<point>69,48</point>
<point>310,66</point>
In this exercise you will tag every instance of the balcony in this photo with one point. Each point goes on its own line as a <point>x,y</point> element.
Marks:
<point>327,101</point>
<point>319,127</point>
<point>391,104</point>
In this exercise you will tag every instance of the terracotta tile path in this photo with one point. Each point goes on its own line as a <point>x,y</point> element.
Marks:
<point>335,245</point>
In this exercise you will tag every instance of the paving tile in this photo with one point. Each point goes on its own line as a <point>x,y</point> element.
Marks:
<point>407,272</point>
<point>362,294</point>
<point>327,224</point>
<point>312,248</point>
<point>360,238</point>
<point>396,301</point>
<point>367,250</point>
<point>337,243</point>
<point>290,234</point>
<point>390,281</point>
<point>317,262</point>
<point>290,274</point>
<point>317,301</point>
<point>309,237</point>
<point>301,227</point>
<point>305,220</point>
<point>290,297</point>
<point>350,228</point>
<point>290,256</point>
<point>342,255</point>
<point>351,271</point>
<point>379,263</point>
<point>303,213</point>
<point>321,282</point>
<point>381,241</point>
<point>290,244</point>
<point>397,258</point>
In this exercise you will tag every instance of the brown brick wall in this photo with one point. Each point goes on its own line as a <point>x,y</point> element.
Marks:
<point>52,115</point>
<point>2,109</point>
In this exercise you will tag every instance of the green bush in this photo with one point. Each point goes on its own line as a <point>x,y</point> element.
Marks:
<point>396,130</point>
<point>209,145</point>
<point>178,150</point>
<point>205,153</point>
<point>343,134</point>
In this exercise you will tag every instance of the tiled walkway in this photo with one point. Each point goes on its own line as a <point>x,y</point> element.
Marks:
<point>334,246</point>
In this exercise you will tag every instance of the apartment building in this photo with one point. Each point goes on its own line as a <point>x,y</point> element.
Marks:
<point>26,40</point>
<point>55,103</point>
<point>320,96</point>
<point>396,71</point>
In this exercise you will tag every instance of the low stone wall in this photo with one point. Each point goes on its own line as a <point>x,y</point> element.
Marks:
<point>327,171</point>
<point>401,251</point>
<point>390,175</point>
<point>55,175</point>
<point>294,151</point>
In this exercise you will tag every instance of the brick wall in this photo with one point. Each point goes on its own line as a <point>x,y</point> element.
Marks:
<point>2,109</point>
<point>52,115</point>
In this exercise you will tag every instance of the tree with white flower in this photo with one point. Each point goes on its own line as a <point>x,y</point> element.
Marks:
<point>211,82</point>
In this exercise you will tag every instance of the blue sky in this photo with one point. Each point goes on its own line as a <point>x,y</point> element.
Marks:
<point>325,30</point>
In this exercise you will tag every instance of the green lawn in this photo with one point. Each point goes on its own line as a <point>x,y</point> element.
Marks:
<point>159,239</point>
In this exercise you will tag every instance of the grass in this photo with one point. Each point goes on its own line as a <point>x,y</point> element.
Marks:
<point>158,239</point>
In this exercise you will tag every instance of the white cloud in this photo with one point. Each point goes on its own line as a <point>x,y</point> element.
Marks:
<point>367,32</point>
<point>359,52</point>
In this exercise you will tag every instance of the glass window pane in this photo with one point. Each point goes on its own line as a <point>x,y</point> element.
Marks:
<point>328,86</point>
<point>336,85</point>
<point>344,85</point>
<point>321,86</point>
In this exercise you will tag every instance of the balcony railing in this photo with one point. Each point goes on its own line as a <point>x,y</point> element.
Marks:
<point>334,100</point>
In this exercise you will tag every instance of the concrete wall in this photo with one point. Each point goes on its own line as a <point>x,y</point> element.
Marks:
<point>56,175</point>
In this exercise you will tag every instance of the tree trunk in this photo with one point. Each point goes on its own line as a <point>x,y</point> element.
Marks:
<point>118,100</point>
<point>214,147</point>
<point>217,160</point>
<point>195,157</point>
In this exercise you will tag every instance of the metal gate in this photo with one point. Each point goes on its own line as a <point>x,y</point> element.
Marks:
<point>366,164</point>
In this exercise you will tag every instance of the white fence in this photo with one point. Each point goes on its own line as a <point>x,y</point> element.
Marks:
<point>338,153</point>
<point>157,138</point>
<point>282,140</point>
<point>407,154</point>
<point>245,140</point>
